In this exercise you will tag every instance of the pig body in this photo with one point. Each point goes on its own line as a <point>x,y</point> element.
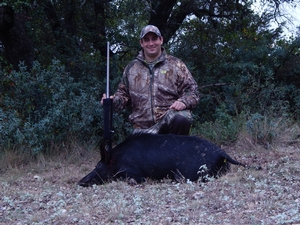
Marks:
<point>158,156</point>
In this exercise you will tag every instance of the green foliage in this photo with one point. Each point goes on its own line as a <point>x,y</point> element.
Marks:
<point>224,129</point>
<point>17,5</point>
<point>47,106</point>
<point>243,68</point>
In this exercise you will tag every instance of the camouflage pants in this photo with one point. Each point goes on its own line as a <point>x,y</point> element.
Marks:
<point>166,121</point>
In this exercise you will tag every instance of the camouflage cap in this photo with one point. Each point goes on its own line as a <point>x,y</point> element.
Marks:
<point>150,28</point>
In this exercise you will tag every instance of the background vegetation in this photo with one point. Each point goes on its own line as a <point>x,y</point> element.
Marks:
<point>53,67</point>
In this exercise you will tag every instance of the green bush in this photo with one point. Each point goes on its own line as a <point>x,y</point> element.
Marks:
<point>224,129</point>
<point>47,106</point>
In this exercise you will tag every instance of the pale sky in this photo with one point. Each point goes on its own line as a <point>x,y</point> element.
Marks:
<point>294,14</point>
<point>290,14</point>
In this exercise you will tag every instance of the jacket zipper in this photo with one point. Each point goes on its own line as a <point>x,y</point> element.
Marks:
<point>151,89</point>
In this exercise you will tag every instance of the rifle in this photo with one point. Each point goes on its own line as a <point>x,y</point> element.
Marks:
<point>108,111</point>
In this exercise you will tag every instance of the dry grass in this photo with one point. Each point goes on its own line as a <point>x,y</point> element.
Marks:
<point>44,191</point>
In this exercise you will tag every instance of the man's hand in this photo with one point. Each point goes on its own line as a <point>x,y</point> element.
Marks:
<point>178,106</point>
<point>104,97</point>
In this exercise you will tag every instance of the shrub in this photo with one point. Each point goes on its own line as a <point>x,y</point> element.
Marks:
<point>267,130</point>
<point>223,129</point>
<point>47,105</point>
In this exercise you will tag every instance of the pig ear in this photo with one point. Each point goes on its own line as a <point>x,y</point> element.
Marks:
<point>104,153</point>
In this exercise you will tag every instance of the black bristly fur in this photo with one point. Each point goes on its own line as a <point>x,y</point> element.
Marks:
<point>158,156</point>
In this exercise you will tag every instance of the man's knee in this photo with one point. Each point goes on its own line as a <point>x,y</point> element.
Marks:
<point>181,120</point>
<point>180,125</point>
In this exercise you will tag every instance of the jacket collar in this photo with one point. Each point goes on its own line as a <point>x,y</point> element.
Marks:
<point>161,58</point>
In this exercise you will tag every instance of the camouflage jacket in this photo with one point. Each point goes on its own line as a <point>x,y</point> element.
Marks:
<point>150,89</point>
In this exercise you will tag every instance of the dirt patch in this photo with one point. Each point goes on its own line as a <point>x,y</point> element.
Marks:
<point>47,193</point>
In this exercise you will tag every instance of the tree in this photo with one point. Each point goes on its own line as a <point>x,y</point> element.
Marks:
<point>68,29</point>
<point>241,64</point>
<point>18,46</point>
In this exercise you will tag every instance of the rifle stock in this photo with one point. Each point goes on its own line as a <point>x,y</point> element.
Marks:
<point>108,121</point>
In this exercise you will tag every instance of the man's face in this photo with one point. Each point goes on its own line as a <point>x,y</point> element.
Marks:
<point>151,44</point>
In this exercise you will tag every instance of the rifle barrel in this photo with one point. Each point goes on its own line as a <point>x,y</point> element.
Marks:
<point>107,72</point>
<point>108,111</point>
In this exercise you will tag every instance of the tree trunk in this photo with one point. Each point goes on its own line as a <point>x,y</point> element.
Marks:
<point>17,45</point>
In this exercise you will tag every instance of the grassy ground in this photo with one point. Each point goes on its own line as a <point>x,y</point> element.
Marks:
<point>44,191</point>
